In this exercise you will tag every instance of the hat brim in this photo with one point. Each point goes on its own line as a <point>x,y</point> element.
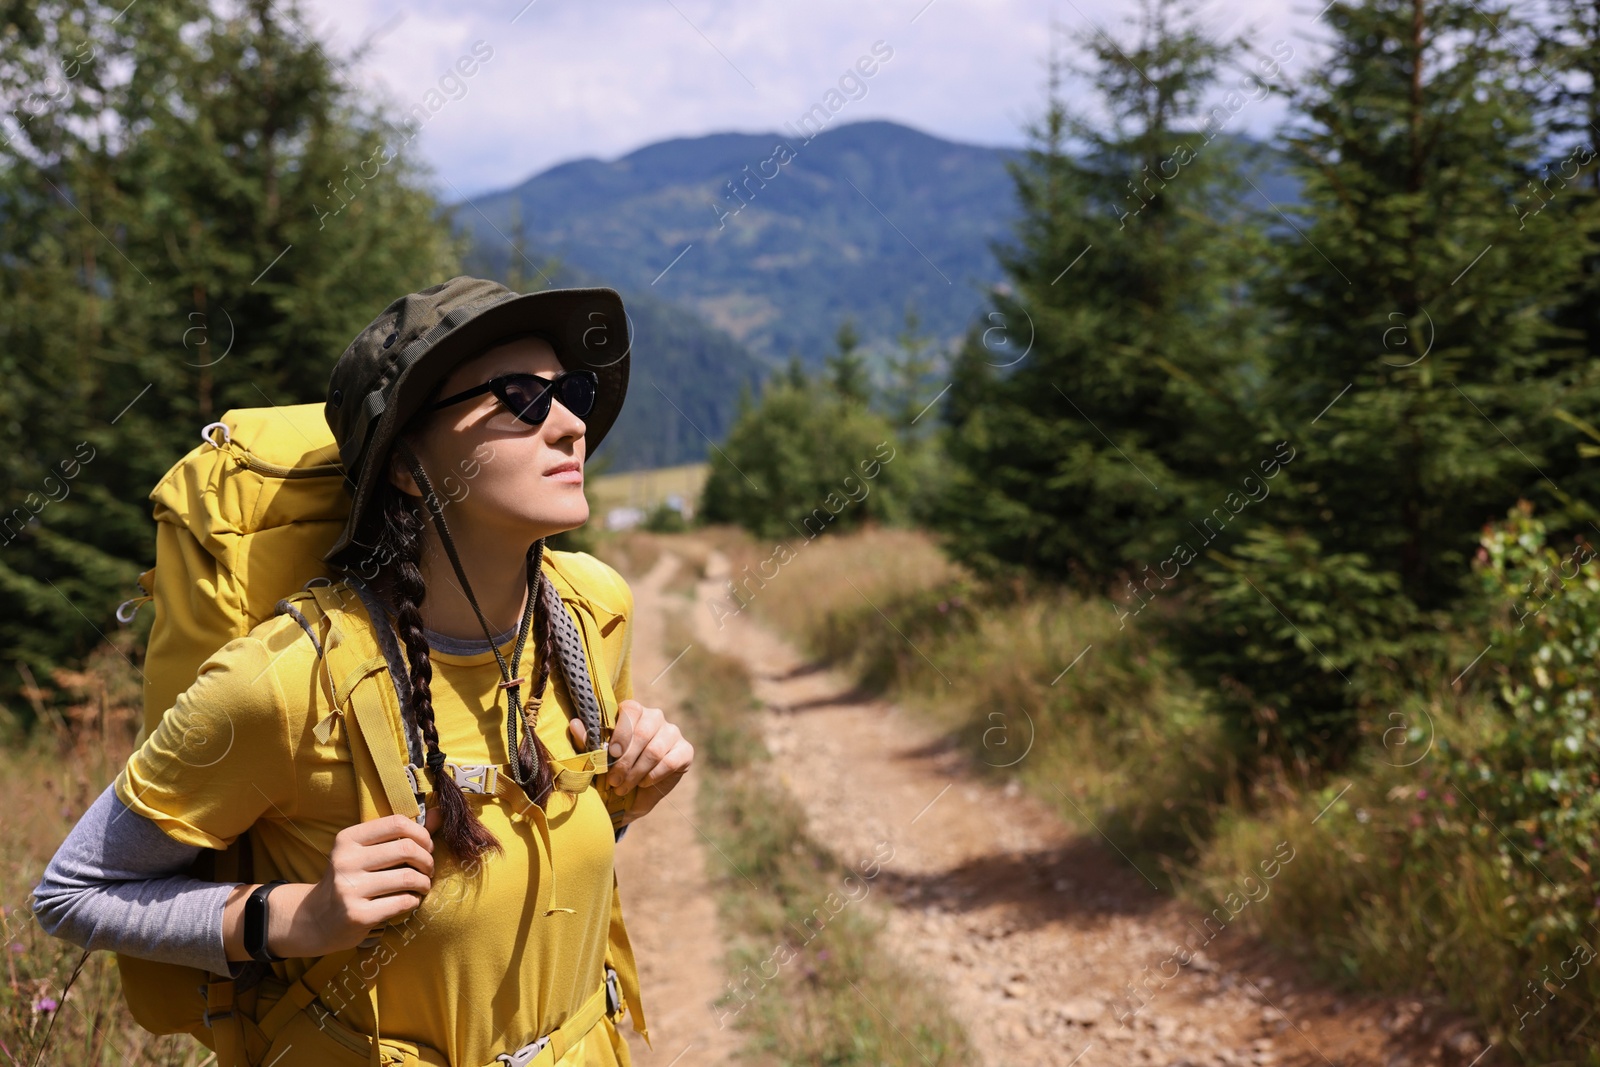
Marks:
<point>584,325</point>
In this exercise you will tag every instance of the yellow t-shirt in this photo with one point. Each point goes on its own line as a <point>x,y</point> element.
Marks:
<point>474,970</point>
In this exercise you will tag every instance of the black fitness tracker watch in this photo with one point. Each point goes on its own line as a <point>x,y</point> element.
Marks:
<point>255,923</point>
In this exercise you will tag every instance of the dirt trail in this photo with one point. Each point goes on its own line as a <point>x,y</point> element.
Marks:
<point>1031,931</point>
<point>672,918</point>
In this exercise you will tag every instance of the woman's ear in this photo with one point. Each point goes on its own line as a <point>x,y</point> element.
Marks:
<point>400,475</point>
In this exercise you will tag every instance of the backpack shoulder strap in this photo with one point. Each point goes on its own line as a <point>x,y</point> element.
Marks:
<point>574,659</point>
<point>353,640</point>
<point>399,670</point>
<point>598,599</point>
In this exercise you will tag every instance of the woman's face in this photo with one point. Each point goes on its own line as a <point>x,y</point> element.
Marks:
<point>493,472</point>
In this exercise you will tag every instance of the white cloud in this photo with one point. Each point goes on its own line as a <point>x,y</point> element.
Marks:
<point>568,81</point>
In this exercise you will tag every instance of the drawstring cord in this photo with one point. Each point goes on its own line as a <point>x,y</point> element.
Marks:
<point>511,682</point>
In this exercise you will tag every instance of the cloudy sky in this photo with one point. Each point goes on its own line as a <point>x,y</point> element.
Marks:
<point>566,80</point>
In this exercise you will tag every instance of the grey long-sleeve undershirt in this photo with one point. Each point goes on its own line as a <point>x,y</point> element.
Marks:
<point>117,881</point>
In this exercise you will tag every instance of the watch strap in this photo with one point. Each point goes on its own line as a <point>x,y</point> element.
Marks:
<point>255,923</point>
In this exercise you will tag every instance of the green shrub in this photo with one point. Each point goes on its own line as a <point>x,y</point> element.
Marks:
<point>1537,780</point>
<point>1455,854</point>
<point>1299,643</point>
<point>804,461</point>
<point>664,518</point>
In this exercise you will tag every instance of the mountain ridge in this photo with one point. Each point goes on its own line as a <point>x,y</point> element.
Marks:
<point>744,249</point>
<point>859,220</point>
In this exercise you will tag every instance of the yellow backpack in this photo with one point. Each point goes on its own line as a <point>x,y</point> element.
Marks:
<point>243,521</point>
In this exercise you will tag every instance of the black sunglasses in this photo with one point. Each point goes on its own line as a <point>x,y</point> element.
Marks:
<point>528,396</point>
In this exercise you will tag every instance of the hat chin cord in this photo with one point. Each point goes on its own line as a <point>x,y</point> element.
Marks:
<point>510,681</point>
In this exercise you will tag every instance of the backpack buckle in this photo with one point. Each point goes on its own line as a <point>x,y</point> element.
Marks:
<point>479,778</point>
<point>414,776</point>
<point>475,777</point>
<point>207,1018</point>
<point>524,1055</point>
<point>613,993</point>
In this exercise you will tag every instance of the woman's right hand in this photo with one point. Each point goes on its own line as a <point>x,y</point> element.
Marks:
<point>377,871</point>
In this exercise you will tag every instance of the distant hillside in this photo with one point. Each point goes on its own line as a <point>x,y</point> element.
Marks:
<point>683,386</point>
<point>860,220</point>
<point>724,284</point>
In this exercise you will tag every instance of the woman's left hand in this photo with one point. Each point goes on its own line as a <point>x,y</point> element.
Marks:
<point>647,752</point>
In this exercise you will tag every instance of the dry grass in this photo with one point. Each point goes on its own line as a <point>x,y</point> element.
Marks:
<point>1032,686</point>
<point>1384,894</point>
<point>646,489</point>
<point>632,552</point>
<point>806,587</point>
<point>697,547</point>
<point>47,779</point>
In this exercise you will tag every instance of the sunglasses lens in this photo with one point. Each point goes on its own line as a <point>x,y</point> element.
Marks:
<point>528,398</point>
<point>578,394</point>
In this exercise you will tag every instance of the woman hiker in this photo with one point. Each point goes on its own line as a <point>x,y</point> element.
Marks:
<point>519,389</point>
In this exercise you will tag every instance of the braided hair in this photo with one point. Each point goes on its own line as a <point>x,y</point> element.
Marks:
<point>395,529</point>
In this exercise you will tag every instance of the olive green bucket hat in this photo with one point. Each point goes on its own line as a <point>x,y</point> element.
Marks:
<point>390,368</point>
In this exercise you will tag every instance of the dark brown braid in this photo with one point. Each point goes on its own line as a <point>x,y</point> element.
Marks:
<point>467,838</point>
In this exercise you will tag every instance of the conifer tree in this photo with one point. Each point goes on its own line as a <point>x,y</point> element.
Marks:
<point>1106,389</point>
<point>1411,373</point>
<point>200,215</point>
<point>911,369</point>
<point>846,367</point>
<point>1560,200</point>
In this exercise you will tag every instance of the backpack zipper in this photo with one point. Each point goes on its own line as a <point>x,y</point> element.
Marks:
<point>273,470</point>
